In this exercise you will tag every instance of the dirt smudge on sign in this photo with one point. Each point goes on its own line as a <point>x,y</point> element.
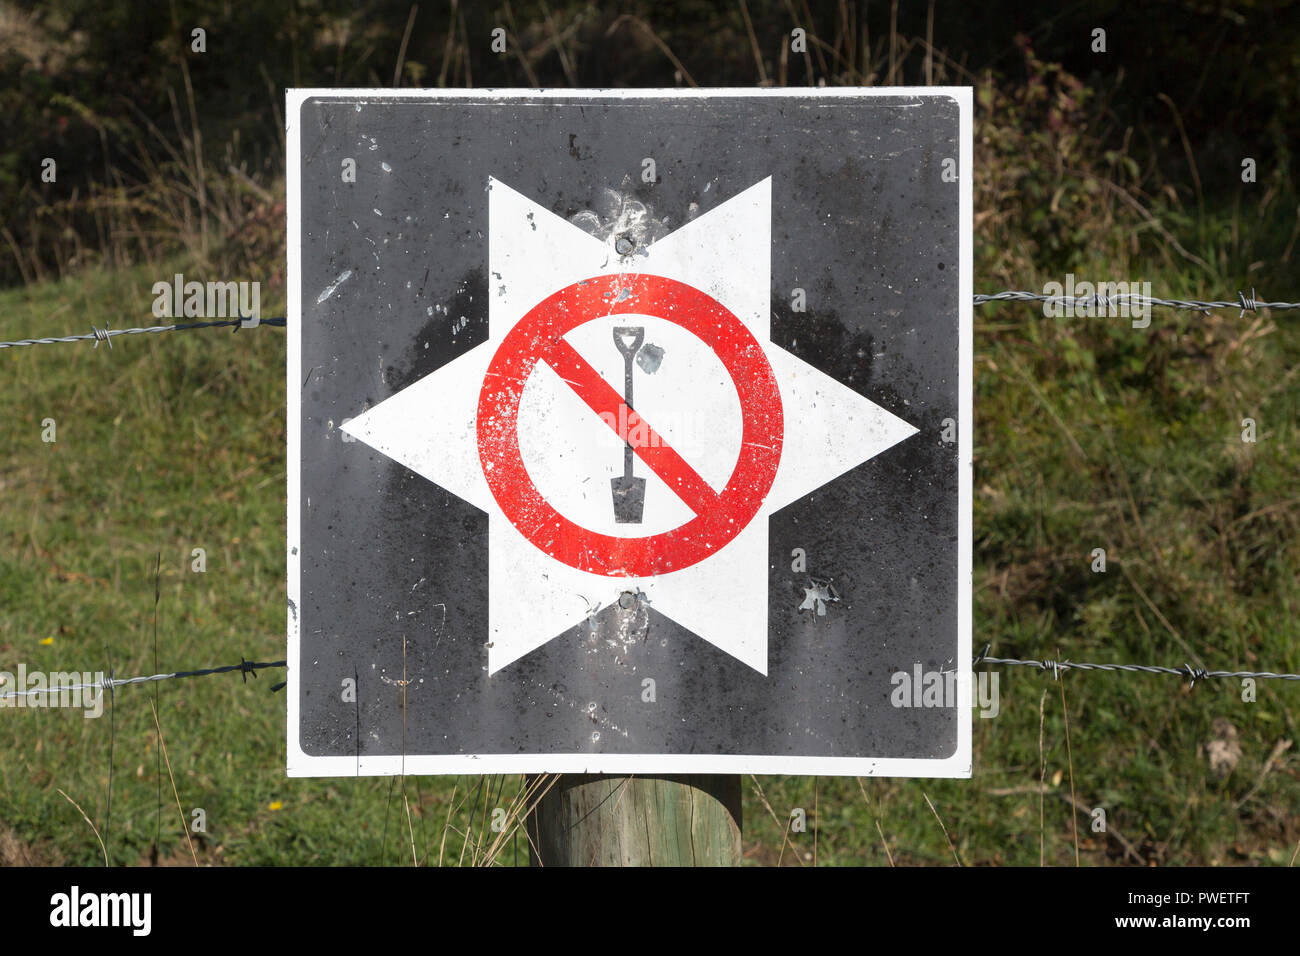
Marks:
<point>439,340</point>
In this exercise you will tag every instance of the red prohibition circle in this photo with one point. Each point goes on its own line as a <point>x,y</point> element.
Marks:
<point>539,336</point>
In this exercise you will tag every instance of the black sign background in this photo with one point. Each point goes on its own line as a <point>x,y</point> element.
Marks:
<point>862,220</point>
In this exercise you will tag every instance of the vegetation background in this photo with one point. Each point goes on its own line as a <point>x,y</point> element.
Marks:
<point>1123,164</point>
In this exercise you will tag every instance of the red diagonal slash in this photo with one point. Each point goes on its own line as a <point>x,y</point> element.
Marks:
<point>606,402</point>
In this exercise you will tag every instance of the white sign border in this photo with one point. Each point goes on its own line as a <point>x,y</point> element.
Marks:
<point>301,764</point>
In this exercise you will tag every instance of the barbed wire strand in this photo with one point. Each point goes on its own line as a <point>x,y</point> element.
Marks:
<point>106,334</point>
<point>1193,674</point>
<point>110,683</point>
<point>1080,304</point>
<point>1098,301</point>
<point>247,667</point>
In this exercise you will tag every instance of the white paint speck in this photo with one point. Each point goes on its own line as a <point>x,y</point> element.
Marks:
<point>328,291</point>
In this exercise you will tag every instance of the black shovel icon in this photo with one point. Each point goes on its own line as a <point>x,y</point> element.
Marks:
<point>628,491</point>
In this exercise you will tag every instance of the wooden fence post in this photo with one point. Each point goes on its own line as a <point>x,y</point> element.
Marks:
<point>676,820</point>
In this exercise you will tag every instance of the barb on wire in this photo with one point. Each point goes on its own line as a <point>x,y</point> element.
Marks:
<point>1245,303</point>
<point>245,667</point>
<point>1193,674</point>
<point>106,334</point>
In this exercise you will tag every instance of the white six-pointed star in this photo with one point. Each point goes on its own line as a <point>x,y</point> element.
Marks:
<point>682,389</point>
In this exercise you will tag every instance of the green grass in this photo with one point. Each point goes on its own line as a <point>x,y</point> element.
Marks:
<point>1089,434</point>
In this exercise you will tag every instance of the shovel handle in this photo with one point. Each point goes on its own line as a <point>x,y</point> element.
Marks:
<point>628,350</point>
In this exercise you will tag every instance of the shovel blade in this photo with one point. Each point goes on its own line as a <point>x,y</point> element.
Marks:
<point>629,499</point>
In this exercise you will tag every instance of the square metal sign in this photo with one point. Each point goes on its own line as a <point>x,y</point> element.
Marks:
<point>629,431</point>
